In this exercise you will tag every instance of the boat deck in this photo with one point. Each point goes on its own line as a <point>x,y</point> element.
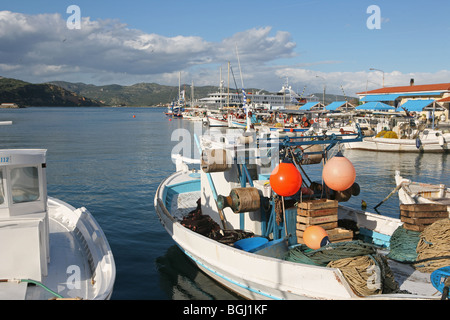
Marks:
<point>70,265</point>
<point>412,280</point>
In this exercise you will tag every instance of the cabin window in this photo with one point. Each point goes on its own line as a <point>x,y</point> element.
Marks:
<point>2,192</point>
<point>25,184</point>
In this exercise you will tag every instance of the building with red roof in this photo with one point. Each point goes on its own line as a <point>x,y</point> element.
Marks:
<point>437,94</point>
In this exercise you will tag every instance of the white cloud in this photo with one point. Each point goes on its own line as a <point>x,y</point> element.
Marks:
<point>108,46</point>
<point>41,48</point>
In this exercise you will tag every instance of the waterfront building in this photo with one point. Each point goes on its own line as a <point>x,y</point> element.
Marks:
<point>418,98</point>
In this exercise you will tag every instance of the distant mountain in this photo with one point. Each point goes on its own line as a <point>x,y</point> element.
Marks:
<point>26,94</point>
<point>150,94</point>
<point>329,98</point>
<point>140,94</point>
<point>62,93</point>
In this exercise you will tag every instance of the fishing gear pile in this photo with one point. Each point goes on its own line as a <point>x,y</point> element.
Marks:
<point>206,226</point>
<point>366,271</point>
<point>427,251</point>
<point>433,249</point>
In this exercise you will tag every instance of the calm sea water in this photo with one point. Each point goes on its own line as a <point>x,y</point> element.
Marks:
<point>111,161</point>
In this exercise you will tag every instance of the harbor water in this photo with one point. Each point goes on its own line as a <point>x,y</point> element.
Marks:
<point>111,161</point>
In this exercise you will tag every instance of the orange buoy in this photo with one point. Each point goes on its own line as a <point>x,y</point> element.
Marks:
<point>315,237</point>
<point>339,173</point>
<point>285,179</point>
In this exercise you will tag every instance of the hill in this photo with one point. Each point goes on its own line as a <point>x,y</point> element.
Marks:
<point>61,93</point>
<point>26,94</point>
<point>150,94</point>
<point>140,94</point>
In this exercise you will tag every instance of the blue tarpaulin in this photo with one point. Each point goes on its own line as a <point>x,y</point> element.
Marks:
<point>335,105</point>
<point>420,105</point>
<point>376,106</point>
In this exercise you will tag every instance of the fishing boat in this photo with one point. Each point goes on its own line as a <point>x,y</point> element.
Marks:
<point>412,192</point>
<point>216,121</point>
<point>5,123</point>
<point>234,221</point>
<point>426,140</point>
<point>48,249</point>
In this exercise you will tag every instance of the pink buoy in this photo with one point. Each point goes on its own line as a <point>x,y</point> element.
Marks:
<point>339,173</point>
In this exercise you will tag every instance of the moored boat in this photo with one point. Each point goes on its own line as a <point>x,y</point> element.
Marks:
<point>405,134</point>
<point>216,121</point>
<point>413,192</point>
<point>228,219</point>
<point>48,249</point>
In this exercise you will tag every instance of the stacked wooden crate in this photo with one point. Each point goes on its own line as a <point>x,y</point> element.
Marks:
<point>323,213</point>
<point>416,217</point>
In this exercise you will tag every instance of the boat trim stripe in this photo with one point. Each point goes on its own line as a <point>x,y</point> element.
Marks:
<point>228,279</point>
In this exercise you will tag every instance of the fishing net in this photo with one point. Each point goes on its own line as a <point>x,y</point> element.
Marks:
<point>206,226</point>
<point>403,245</point>
<point>433,249</point>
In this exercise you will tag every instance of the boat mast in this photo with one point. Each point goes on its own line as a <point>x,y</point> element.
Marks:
<point>228,92</point>
<point>221,88</point>
<point>179,89</point>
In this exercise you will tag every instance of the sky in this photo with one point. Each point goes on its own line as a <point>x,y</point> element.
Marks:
<point>311,44</point>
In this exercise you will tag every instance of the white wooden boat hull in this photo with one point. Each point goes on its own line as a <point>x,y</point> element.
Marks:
<point>214,122</point>
<point>399,145</point>
<point>410,192</point>
<point>254,275</point>
<point>81,264</point>
<point>45,241</point>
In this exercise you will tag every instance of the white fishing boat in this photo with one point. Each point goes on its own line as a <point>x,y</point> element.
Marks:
<point>48,249</point>
<point>5,123</point>
<point>215,121</point>
<point>413,192</point>
<point>428,140</point>
<point>233,194</point>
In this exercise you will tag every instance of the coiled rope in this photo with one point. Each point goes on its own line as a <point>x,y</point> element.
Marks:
<point>366,271</point>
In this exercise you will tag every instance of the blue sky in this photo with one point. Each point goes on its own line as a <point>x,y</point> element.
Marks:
<point>311,42</point>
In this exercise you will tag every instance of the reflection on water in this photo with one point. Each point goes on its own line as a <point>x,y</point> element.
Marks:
<point>182,280</point>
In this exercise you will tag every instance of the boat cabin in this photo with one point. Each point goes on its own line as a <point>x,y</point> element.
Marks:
<point>24,224</point>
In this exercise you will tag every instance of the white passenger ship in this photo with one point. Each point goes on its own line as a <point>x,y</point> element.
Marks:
<point>285,97</point>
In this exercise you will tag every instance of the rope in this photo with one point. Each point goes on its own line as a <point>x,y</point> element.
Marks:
<point>434,247</point>
<point>366,271</point>
<point>403,245</point>
<point>326,254</point>
<point>362,273</point>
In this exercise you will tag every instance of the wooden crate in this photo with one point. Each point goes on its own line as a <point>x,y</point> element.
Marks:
<point>323,213</point>
<point>312,221</point>
<point>340,235</point>
<point>416,217</point>
<point>317,204</point>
